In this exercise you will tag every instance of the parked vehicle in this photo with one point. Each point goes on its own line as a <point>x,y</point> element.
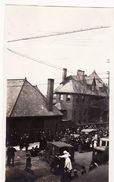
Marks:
<point>89,131</point>
<point>57,148</point>
<point>101,153</point>
<point>104,142</point>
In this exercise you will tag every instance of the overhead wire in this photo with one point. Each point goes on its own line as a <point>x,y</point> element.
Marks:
<point>41,61</point>
<point>34,59</point>
<point>58,34</point>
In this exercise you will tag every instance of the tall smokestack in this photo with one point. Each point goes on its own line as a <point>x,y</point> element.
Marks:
<point>50,88</point>
<point>64,75</point>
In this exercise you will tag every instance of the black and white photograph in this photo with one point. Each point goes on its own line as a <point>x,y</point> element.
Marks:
<point>57,62</point>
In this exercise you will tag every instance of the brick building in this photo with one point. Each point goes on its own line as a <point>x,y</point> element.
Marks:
<point>82,99</point>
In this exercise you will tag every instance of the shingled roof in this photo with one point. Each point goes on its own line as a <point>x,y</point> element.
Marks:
<point>73,84</point>
<point>25,100</point>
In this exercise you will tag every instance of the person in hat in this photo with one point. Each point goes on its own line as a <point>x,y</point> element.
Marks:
<point>66,175</point>
<point>28,164</point>
<point>10,155</point>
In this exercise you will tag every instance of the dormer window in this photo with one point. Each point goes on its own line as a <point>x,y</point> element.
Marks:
<point>93,88</point>
<point>93,84</point>
<point>68,97</point>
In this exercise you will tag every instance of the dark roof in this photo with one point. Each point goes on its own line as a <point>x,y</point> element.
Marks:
<point>74,85</point>
<point>25,100</point>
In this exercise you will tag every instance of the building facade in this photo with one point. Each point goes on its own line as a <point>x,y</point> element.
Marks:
<point>28,110</point>
<point>83,99</point>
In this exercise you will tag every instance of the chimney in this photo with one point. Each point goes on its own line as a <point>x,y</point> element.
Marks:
<point>50,88</point>
<point>80,75</point>
<point>64,75</point>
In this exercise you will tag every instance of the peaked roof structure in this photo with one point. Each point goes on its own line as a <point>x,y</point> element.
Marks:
<point>25,100</point>
<point>73,84</point>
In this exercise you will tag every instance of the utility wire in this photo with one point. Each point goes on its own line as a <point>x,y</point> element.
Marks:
<point>59,33</point>
<point>33,59</point>
<point>41,61</point>
<point>37,60</point>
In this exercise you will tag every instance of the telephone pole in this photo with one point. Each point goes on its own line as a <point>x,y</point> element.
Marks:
<point>108,73</point>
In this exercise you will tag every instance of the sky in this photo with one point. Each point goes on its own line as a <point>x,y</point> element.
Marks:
<point>86,50</point>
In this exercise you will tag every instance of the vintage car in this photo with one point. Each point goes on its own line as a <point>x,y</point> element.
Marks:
<point>104,142</point>
<point>57,148</point>
<point>89,131</point>
<point>53,151</point>
<point>100,153</point>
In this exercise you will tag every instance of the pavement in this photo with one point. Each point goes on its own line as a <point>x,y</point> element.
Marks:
<point>83,158</point>
<point>41,169</point>
<point>99,174</point>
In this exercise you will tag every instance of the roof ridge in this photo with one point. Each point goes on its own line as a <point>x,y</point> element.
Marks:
<point>45,98</point>
<point>15,79</point>
<point>17,97</point>
<point>38,90</point>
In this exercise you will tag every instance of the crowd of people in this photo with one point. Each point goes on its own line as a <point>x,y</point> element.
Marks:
<point>83,141</point>
<point>80,141</point>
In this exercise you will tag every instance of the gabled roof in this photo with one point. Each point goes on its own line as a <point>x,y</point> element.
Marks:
<point>74,85</point>
<point>95,76</point>
<point>25,100</point>
<point>13,90</point>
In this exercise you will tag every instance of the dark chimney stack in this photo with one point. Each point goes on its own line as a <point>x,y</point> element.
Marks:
<point>50,94</point>
<point>80,75</point>
<point>64,75</point>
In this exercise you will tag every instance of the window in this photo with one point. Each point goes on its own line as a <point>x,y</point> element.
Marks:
<point>93,88</point>
<point>68,97</point>
<point>83,97</point>
<point>77,99</point>
<point>61,97</point>
<point>103,143</point>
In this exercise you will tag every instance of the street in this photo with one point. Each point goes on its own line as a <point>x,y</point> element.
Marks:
<point>40,168</point>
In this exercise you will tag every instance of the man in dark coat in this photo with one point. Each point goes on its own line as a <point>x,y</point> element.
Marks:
<point>10,155</point>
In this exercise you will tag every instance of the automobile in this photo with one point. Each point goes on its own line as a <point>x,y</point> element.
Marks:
<point>100,153</point>
<point>104,142</point>
<point>57,148</point>
<point>53,151</point>
<point>89,131</point>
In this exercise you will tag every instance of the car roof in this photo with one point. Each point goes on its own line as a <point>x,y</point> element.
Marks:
<point>88,130</point>
<point>100,148</point>
<point>105,139</point>
<point>60,144</point>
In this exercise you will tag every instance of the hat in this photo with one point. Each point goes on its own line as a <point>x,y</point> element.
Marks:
<point>65,152</point>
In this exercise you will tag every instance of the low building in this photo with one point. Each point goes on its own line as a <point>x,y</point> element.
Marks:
<point>28,111</point>
<point>82,99</point>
